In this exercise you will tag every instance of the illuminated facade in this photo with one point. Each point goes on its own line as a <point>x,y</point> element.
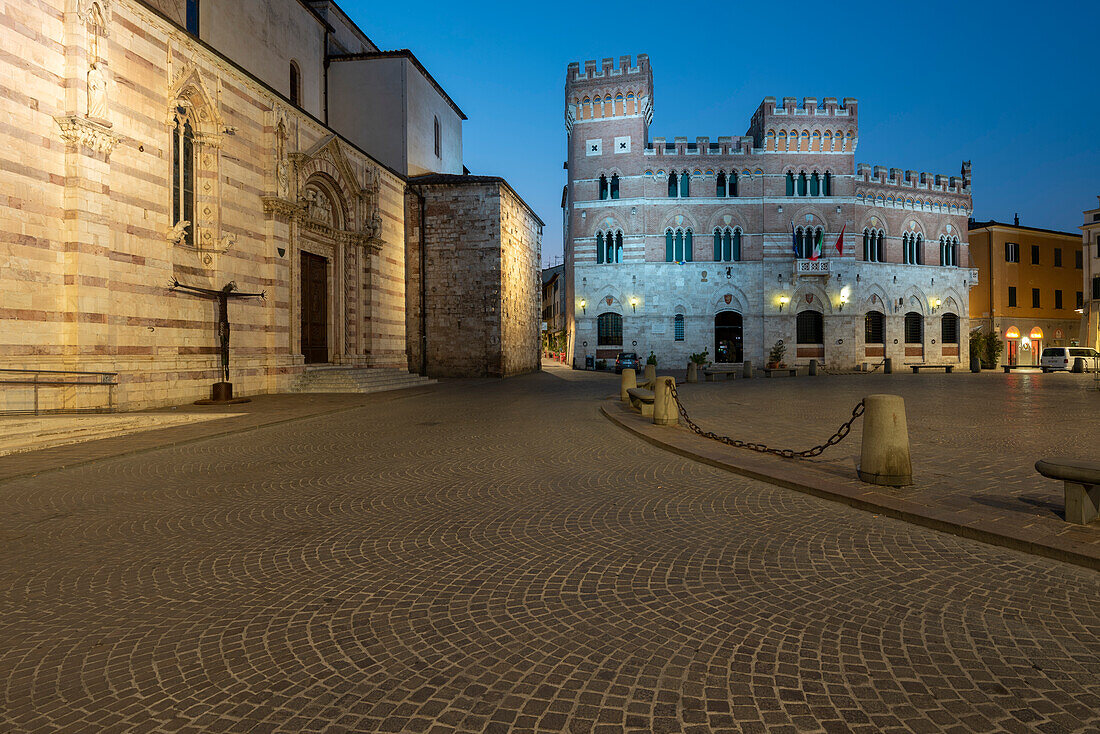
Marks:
<point>1090,251</point>
<point>675,247</point>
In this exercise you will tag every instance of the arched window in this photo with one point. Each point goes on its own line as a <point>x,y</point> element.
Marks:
<point>599,248</point>
<point>720,187</point>
<point>872,246</point>
<point>688,247</point>
<point>678,327</point>
<point>880,247</point>
<point>732,185</point>
<point>679,245</point>
<point>914,328</point>
<point>827,189</point>
<point>735,246</point>
<point>619,104</point>
<point>183,174</point>
<point>614,186</point>
<point>296,87</point>
<point>609,329</point>
<point>438,139</point>
<point>717,245</point>
<point>874,328</point>
<point>669,247</point>
<point>815,185</point>
<point>673,187</point>
<point>918,247</point>
<point>685,191</point>
<point>630,108</point>
<point>802,184</point>
<point>586,109</point>
<point>809,328</point>
<point>619,247</point>
<point>949,329</point>
<point>603,187</point>
<point>790,183</point>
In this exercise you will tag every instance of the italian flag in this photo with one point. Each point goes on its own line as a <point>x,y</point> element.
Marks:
<point>817,247</point>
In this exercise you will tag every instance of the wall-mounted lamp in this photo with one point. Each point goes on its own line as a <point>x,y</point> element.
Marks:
<point>844,293</point>
<point>936,305</point>
<point>634,304</point>
<point>584,306</point>
<point>783,301</point>
<point>780,280</point>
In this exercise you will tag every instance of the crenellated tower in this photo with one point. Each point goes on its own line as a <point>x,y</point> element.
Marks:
<point>608,109</point>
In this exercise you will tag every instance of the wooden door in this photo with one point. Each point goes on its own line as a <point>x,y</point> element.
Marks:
<point>314,308</point>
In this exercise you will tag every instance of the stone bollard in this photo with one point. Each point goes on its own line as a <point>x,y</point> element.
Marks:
<point>887,365</point>
<point>650,373</point>
<point>975,364</point>
<point>884,457</point>
<point>665,412</point>
<point>693,372</point>
<point>628,380</point>
<point>746,369</point>
<point>1078,365</point>
<point>813,368</point>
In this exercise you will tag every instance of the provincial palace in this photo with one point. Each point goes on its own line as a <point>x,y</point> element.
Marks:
<point>733,244</point>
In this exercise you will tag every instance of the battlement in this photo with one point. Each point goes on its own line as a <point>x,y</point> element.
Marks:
<point>914,179</point>
<point>606,69</point>
<point>810,107</point>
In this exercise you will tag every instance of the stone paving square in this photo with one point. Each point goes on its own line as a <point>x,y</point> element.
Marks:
<point>496,556</point>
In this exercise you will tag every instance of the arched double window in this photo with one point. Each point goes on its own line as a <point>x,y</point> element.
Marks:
<point>809,327</point>
<point>727,244</point>
<point>874,328</point>
<point>805,239</point>
<point>678,245</point>
<point>678,327</point>
<point>609,247</point>
<point>874,251</point>
<point>183,174</point>
<point>949,329</point>
<point>609,329</point>
<point>609,188</point>
<point>949,251</point>
<point>914,328</point>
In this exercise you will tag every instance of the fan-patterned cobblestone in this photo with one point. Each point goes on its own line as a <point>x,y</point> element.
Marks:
<point>496,557</point>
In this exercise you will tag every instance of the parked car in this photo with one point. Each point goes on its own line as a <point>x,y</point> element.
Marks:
<point>628,361</point>
<point>1062,358</point>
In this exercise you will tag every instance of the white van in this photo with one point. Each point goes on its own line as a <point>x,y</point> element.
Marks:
<point>1061,358</point>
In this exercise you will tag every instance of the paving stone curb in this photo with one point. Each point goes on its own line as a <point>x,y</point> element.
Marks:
<point>791,474</point>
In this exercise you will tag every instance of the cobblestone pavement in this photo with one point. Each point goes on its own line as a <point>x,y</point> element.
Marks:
<point>495,556</point>
<point>974,438</point>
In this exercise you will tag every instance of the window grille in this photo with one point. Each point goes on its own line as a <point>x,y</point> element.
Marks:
<point>678,327</point>
<point>949,329</point>
<point>609,329</point>
<point>809,328</point>
<point>914,328</point>
<point>874,328</point>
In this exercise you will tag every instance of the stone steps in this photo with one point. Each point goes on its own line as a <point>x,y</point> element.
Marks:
<point>357,380</point>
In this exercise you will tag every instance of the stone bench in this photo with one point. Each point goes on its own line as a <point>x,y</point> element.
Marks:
<point>781,371</point>
<point>918,367</point>
<point>710,374</point>
<point>641,400</point>
<point>1082,486</point>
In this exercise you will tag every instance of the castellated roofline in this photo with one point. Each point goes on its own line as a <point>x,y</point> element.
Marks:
<point>915,179</point>
<point>827,106</point>
<point>607,68</point>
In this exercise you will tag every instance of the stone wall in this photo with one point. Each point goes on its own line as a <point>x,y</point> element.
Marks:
<point>481,282</point>
<point>87,244</point>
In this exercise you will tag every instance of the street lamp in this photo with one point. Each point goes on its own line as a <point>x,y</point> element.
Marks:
<point>584,306</point>
<point>634,304</point>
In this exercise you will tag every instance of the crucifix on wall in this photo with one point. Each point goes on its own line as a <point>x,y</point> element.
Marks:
<point>222,392</point>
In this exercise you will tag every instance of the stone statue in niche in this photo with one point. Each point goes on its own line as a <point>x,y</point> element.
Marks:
<point>282,168</point>
<point>97,94</point>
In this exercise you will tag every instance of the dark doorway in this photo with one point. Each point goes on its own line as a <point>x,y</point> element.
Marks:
<point>314,308</point>
<point>729,345</point>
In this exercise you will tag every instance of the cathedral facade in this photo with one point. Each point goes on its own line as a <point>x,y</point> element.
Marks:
<point>735,244</point>
<point>148,143</point>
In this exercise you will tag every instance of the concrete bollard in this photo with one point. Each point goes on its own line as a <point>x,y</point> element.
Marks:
<point>887,365</point>
<point>650,373</point>
<point>884,458</point>
<point>628,380</point>
<point>746,369</point>
<point>813,368</point>
<point>693,372</point>
<point>665,412</point>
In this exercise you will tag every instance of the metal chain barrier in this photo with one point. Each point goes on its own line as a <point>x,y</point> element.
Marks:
<point>841,433</point>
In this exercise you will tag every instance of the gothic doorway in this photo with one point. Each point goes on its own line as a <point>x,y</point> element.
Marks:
<point>729,344</point>
<point>314,308</point>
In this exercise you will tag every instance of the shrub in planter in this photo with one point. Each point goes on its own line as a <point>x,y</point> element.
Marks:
<point>652,359</point>
<point>775,356</point>
<point>701,358</point>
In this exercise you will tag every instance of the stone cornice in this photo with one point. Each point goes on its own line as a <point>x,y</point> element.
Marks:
<point>80,132</point>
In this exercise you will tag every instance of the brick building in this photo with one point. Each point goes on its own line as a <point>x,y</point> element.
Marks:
<point>147,141</point>
<point>675,247</point>
<point>1029,287</point>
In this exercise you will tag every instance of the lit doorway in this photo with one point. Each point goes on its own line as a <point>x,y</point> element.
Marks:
<point>729,344</point>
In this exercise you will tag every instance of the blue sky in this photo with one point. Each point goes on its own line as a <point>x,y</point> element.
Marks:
<point>1012,86</point>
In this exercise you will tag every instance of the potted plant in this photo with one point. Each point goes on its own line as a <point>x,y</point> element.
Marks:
<point>699,359</point>
<point>775,356</point>
<point>601,364</point>
<point>652,359</point>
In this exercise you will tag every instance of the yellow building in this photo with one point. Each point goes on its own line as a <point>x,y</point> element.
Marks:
<point>1029,287</point>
